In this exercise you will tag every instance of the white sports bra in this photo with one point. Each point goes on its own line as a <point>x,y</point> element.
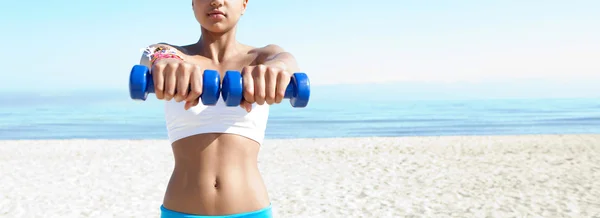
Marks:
<point>219,118</point>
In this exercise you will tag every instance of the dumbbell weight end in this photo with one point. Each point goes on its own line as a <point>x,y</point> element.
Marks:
<point>140,83</point>
<point>298,91</point>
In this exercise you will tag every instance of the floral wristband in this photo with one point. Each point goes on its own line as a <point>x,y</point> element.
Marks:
<point>160,52</point>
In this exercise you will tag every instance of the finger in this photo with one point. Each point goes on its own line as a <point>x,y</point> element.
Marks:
<point>183,82</point>
<point>259,84</point>
<point>190,104</point>
<point>246,106</point>
<point>283,81</point>
<point>170,80</point>
<point>195,85</point>
<point>248,83</point>
<point>159,80</point>
<point>271,84</point>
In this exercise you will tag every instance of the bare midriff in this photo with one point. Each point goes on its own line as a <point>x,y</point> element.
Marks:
<point>215,174</point>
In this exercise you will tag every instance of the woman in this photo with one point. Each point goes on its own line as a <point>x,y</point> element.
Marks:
<point>216,147</point>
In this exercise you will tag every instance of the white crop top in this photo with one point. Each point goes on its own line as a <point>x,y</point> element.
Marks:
<point>219,118</point>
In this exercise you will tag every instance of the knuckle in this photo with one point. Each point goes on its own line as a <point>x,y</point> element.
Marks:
<point>196,91</point>
<point>198,73</point>
<point>260,70</point>
<point>159,66</point>
<point>170,92</point>
<point>158,88</point>
<point>172,65</point>
<point>272,72</point>
<point>247,72</point>
<point>182,70</point>
<point>187,66</point>
<point>248,90</point>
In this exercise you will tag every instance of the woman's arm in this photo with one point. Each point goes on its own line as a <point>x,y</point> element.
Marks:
<point>273,55</point>
<point>263,82</point>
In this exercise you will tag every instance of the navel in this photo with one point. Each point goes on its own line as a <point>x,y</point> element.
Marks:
<point>217,184</point>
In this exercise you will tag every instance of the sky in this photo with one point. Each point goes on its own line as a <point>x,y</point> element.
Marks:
<point>76,45</point>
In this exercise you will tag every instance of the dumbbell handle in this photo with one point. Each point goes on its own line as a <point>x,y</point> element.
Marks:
<point>141,83</point>
<point>297,90</point>
<point>150,85</point>
<point>290,90</point>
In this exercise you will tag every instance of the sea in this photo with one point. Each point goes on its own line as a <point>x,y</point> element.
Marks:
<point>333,111</point>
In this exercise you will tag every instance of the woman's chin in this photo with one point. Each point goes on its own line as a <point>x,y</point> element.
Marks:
<point>217,28</point>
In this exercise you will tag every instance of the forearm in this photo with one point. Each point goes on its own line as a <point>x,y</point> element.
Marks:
<point>284,60</point>
<point>274,55</point>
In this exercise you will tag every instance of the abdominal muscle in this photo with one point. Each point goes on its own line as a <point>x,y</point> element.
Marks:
<point>215,174</point>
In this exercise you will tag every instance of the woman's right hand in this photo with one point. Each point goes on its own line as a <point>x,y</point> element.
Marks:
<point>176,79</point>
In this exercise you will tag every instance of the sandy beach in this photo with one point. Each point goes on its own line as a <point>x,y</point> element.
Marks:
<point>483,176</point>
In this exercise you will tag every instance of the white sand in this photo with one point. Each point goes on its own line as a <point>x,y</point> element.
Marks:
<point>501,176</point>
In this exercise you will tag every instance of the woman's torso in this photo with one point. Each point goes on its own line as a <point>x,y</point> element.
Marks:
<point>216,173</point>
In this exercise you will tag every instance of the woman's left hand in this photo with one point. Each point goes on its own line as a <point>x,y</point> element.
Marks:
<point>264,84</point>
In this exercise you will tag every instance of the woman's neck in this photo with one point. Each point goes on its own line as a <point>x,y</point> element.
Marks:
<point>218,46</point>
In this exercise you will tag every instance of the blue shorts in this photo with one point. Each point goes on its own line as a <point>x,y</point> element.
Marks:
<point>262,213</point>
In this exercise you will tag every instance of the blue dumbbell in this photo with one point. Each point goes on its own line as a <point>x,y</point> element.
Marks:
<point>141,84</point>
<point>298,90</point>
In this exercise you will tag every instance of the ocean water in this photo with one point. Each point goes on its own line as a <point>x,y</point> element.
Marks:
<point>337,111</point>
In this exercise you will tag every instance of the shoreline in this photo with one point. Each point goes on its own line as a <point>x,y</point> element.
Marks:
<point>414,176</point>
<point>322,138</point>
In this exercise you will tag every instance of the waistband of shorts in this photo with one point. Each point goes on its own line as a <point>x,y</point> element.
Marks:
<point>262,213</point>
